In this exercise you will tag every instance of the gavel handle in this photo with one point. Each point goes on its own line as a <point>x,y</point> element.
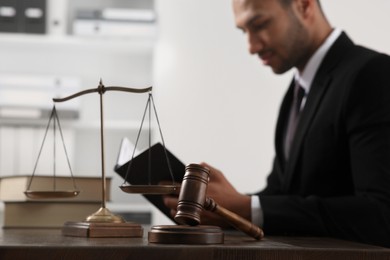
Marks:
<point>235,220</point>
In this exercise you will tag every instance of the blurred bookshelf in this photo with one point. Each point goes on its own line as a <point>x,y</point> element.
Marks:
<point>81,42</point>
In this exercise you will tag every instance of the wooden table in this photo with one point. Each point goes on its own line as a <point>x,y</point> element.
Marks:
<point>50,244</point>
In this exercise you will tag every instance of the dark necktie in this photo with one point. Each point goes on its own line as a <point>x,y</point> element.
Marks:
<point>299,93</point>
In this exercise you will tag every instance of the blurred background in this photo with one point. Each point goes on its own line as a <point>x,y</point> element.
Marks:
<point>215,102</point>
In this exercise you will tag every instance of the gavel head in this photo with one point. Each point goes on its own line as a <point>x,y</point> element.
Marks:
<point>192,195</point>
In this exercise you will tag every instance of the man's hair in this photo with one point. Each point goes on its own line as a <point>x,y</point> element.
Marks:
<point>288,2</point>
<point>285,2</point>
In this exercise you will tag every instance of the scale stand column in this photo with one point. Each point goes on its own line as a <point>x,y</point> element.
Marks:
<point>103,214</point>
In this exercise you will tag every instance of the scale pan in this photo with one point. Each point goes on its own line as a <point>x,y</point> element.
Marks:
<point>51,194</point>
<point>151,189</point>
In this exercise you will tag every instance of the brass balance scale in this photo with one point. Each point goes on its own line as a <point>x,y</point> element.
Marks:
<point>102,223</point>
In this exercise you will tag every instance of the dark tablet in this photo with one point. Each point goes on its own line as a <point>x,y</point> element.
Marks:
<point>159,171</point>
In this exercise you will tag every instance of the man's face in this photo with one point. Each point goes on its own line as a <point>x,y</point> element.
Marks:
<point>275,33</point>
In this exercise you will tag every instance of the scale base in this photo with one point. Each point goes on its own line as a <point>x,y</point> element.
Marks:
<point>189,235</point>
<point>101,229</point>
<point>104,215</point>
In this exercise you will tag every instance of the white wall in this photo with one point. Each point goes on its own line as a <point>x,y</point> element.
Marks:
<point>216,102</point>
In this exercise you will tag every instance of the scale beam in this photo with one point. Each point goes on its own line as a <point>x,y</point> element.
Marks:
<point>101,89</point>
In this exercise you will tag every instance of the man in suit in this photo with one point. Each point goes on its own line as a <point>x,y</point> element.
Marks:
<point>331,172</point>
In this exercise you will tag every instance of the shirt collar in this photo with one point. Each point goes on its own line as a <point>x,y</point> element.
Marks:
<point>306,78</point>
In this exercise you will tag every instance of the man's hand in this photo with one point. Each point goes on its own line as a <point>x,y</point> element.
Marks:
<point>223,193</point>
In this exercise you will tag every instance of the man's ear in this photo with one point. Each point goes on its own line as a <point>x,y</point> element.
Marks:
<point>305,7</point>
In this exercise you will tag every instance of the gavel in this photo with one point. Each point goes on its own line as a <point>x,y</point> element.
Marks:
<point>192,200</point>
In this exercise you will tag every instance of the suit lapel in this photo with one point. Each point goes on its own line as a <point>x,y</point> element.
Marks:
<point>320,84</point>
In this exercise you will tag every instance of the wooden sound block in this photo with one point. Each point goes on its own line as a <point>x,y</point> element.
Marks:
<point>177,234</point>
<point>101,229</point>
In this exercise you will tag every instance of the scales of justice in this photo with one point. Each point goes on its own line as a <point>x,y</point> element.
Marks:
<point>192,193</point>
<point>102,223</point>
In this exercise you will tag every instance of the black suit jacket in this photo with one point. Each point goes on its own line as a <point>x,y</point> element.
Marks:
<point>337,180</point>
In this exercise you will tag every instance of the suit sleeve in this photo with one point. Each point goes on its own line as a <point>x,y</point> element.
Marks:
<point>365,215</point>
